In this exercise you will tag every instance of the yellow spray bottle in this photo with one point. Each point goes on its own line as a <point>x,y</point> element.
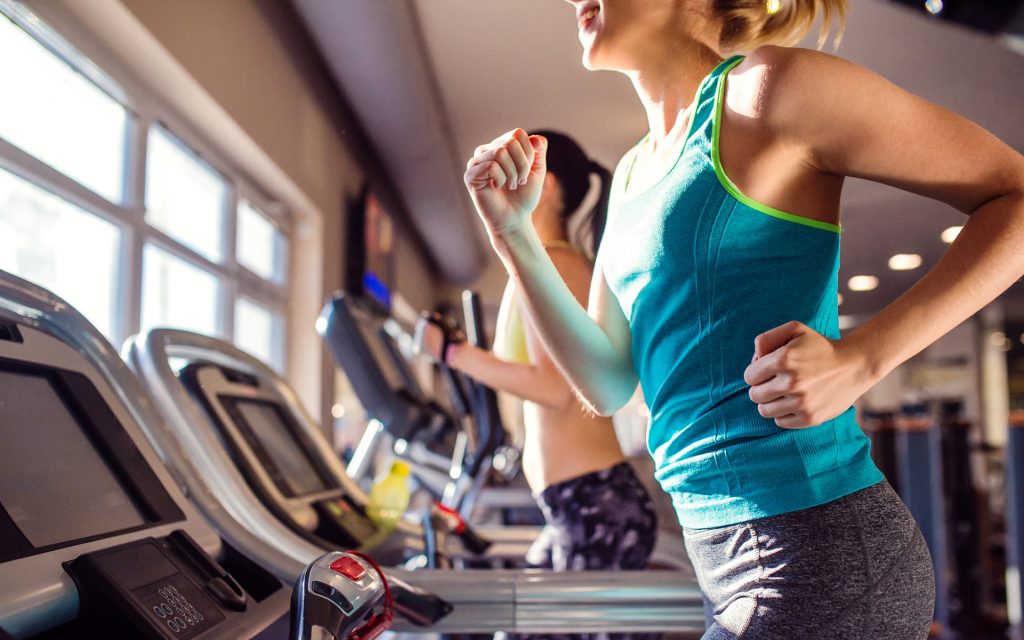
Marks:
<point>389,496</point>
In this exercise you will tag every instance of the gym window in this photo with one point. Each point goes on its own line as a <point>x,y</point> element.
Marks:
<point>107,201</point>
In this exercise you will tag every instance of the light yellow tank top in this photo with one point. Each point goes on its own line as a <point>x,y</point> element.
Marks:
<point>510,333</point>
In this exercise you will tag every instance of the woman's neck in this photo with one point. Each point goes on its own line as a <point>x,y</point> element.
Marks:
<point>548,223</point>
<point>669,71</point>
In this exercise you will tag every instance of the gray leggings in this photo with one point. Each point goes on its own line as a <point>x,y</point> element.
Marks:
<point>856,568</point>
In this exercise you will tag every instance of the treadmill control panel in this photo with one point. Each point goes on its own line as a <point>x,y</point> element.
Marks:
<point>167,588</point>
<point>343,521</point>
<point>176,604</point>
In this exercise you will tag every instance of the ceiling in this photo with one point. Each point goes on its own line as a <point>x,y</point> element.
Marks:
<point>497,64</point>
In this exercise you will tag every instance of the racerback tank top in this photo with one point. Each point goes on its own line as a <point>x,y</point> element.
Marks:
<point>700,270</point>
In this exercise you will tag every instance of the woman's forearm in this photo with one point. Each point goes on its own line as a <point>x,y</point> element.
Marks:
<point>531,383</point>
<point>982,263</point>
<point>600,371</point>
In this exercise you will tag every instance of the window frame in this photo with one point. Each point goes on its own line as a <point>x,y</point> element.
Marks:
<point>144,112</point>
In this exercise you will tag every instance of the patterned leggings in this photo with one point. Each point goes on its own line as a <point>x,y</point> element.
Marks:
<point>600,520</point>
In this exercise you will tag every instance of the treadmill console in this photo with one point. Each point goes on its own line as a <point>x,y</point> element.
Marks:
<point>278,458</point>
<point>354,337</point>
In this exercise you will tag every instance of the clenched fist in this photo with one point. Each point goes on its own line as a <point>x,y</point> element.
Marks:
<point>505,178</point>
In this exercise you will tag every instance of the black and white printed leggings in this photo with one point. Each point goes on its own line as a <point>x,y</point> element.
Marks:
<point>600,520</point>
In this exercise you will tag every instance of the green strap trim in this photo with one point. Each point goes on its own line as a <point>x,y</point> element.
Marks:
<point>722,67</point>
<point>728,184</point>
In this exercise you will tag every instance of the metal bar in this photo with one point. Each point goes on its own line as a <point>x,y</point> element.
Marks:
<point>1015,529</point>
<point>358,465</point>
<point>546,602</point>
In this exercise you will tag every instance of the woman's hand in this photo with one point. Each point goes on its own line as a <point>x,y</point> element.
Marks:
<point>505,178</point>
<point>429,339</point>
<point>800,378</point>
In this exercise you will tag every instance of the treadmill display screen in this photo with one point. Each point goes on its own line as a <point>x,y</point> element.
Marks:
<point>380,356</point>
<point>54,485</point>
<point>293,464</point>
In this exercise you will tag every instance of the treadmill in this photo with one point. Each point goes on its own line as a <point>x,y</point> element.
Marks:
<point>96,538</point>
<point>389,393</point>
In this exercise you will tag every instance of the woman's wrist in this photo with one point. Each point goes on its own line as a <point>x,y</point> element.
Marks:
<point>865,356</point>
<point>517,247</point>
<point>451,353</point>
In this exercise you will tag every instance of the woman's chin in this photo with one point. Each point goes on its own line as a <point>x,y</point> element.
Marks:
<point>591,61</point>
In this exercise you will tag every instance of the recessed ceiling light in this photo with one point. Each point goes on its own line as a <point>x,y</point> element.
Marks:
<point>934,7</point>
<point>839,299</point>
<point>862,283</point>
<point>999,340</point>
<point>338,411</point>
<point>904,261</point>
<point>950,234</point>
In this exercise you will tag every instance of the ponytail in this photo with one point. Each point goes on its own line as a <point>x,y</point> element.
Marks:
<point>748,24</point>
<point>571,166</point>
<point>596,218</point>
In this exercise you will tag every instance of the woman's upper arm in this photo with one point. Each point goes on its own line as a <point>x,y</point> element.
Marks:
<point>591,291</point>
<point>604,308</point>
<point>849,121</point>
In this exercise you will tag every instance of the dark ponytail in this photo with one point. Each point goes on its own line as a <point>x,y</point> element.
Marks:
<point>572,168</point>
<point>598,215</point>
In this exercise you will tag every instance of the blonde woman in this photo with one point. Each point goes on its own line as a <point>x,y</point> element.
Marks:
<point>715,288</point>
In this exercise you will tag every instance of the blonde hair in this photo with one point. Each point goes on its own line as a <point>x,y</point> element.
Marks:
<point>748,24</point>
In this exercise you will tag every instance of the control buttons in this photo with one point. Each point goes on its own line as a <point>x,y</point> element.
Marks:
<point>349,568</point>
<point>163,610</point>
<point>332,594</point>
<point>176,611</point>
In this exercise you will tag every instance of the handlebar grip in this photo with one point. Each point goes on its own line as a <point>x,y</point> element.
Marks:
<point>416,605</point>
<point>473,541</point>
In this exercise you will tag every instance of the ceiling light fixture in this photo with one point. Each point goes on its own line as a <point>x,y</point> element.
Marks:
<point>950,234</point>
<point>862,283</point>
<point>904,261</point>
<point>999,340</point>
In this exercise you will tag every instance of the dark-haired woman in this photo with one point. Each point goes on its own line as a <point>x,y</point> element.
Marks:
<point>599,516</point>
<point>715,288</point>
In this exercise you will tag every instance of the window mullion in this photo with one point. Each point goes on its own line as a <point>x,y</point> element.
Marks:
<point>135,198</point>
<point>229,290</point>
<point>179,250</point>
<point>260,289</point>
<point>43,175</point>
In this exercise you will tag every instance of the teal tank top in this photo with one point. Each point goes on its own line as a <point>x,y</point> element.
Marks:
<point>700,270</point>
